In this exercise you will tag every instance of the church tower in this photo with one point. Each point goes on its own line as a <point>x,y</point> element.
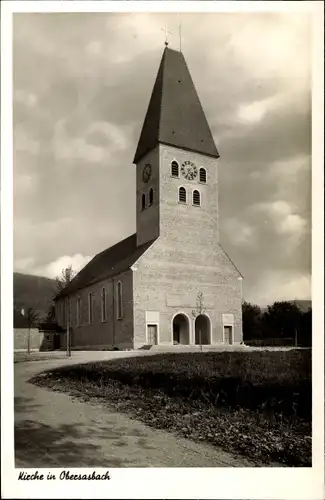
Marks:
<point>177,222</point>
<point>176,162</point>
<point>170,283</point>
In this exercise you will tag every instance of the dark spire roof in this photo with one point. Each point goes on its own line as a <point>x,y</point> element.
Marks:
<point>175,115</point>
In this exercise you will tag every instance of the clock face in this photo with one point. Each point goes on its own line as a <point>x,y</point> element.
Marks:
<point>146,172</point>
<point>189,170</point>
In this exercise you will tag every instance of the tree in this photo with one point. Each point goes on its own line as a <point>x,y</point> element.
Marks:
<point>65,278</point>
<point>251,321</point>
<point>198,311</point>
<point>33,318</point>
<point>50,317</point>
<point>282,319</point>
<point>62,282</point>
<point>305,329</point>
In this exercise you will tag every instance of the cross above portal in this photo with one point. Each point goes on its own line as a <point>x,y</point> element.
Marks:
<point>166,34</point>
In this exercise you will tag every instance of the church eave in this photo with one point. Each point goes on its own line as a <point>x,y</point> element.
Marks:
<point>184,148</point>
<point>211,155</point>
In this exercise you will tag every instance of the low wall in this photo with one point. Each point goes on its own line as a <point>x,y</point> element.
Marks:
<point>21,339</point>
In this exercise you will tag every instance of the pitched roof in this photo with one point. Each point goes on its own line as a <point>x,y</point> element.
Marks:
<point>106,264</point>
<point>175,115</point>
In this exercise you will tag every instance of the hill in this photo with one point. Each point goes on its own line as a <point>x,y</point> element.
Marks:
<point>33,291</point>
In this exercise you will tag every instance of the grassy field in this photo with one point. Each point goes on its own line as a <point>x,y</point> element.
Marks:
<point>254,403</point>
<point>24,357</point>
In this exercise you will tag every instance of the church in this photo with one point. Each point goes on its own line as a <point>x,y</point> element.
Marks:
<point>170,283</point>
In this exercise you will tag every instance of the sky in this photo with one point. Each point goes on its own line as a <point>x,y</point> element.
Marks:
<point>81,87</point>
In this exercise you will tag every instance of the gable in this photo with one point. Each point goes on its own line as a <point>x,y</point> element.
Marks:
<point>228,260</point>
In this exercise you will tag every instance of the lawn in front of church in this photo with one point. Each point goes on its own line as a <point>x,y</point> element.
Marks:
<point>257,404</point>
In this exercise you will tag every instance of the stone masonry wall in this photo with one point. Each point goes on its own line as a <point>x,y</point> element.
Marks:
<point>21,339</point>
<point>101,334</point>
<point>187,258</point>
<point>147,220</point>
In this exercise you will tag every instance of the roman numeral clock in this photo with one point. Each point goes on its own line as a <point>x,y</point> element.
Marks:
<point>189,170</point>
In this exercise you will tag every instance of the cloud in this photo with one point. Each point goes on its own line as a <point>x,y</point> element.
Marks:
<point>290,167</point>
<point>96,143</point>
<point>278,286</point>
<point>25,264</point>
<point>24,183</point>
<point>77,262</point>
<point>28,99</point>
<point>94,48</point>
<point>53,269</point>
<point>266,44</point>
<point>293,223</point>
<point>24,142</point>
<point>282,215</point>
<point>77,127</point>
<point>255,111</point>
<point>240,234</point>
<point>108,134</point>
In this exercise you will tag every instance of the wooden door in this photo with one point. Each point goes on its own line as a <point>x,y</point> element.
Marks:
<point>227,335</point>
<point>56,341</point>
<point>152,334</point>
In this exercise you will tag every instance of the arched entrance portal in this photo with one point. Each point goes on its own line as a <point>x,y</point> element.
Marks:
<point>202,330</point>
<point>181,329</point>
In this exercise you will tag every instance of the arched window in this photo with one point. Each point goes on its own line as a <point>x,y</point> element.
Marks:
<point>104,315</point>
<point>143,201</point>
<point>196,197</point>
<point>150,196</point>
<point>90,308</point>
<point>182,195</point>
<point>78,311</point>
<point>203,175</point>
<point>119,304</point>
<point>174,169</point>
<point>64,312</point>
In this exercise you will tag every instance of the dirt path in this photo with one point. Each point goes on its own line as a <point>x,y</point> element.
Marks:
<point>54,430</point>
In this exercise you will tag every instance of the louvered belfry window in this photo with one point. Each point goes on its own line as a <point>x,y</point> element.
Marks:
<point>182,195</point>
<point>203,175</point>
<point>151,196</point>
<point>143,201</point>
<point>196,198</point>
<point>175,169</point>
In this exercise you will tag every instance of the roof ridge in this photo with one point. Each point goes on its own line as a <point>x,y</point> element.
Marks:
<point>115,244</point>
<point>199,101</point>
<point>108,263</point>
<point>162,65</point>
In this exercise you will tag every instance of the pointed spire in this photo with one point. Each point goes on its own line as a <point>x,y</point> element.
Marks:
<point>175,115</point>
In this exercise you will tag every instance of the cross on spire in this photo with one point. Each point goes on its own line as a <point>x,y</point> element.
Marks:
<point>166,34</point>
